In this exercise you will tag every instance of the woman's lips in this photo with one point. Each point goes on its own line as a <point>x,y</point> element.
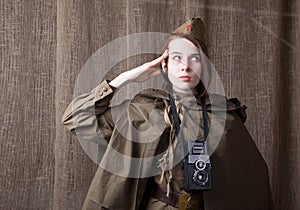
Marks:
<point>185,78</point>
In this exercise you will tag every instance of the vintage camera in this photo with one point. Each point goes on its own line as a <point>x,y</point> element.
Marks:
<point>196,168</point>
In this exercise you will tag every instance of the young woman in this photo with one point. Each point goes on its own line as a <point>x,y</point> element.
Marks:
<point>232,175</point>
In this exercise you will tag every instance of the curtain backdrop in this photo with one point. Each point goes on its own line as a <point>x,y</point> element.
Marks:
<point>253,44</point>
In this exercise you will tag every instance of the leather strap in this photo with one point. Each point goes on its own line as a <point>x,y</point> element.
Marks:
<point>161,195</point>
<point>180,201</point>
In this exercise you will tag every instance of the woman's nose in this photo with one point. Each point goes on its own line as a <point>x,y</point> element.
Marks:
<point>184,66</point>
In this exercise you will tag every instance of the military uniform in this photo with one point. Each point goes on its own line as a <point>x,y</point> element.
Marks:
<point>239,174</point>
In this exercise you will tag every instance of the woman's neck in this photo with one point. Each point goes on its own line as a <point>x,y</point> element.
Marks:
<point>185,92</point>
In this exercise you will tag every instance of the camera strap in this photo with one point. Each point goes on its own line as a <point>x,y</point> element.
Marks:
<point>177,126</point>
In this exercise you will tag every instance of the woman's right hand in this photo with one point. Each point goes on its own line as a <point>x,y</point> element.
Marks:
<point>139,74</point>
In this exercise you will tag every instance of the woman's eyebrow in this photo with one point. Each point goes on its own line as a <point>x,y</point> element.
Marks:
<point>175,53</point>
<point>179,53</point>
<point>193,54</point>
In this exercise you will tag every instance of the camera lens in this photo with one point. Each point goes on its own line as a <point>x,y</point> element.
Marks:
<point>200,164</point>
<point>200,177</point>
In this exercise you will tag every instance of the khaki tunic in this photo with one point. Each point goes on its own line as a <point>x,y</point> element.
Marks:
<point>239,174</point>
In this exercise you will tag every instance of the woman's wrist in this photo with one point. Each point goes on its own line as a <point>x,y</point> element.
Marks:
<point>117,82</point>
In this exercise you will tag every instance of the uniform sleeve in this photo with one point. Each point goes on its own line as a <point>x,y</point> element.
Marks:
<point>87,111</point>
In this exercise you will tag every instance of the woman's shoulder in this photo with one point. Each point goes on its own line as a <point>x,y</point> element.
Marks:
<point>143,102</point>
<point>150,95</point>
<point>216,102</point>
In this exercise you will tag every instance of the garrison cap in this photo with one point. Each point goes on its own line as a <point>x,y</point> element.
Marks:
<point>193,27</point>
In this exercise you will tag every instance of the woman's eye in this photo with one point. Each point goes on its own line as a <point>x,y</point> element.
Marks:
<point>195,58</point>
<point>176,57</point>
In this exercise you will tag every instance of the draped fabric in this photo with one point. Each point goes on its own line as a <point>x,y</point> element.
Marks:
<point>254,45</point>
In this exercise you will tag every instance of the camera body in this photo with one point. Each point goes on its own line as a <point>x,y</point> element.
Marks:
<point>196,168</point>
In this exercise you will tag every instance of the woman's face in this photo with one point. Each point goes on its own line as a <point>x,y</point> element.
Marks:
<point>184,65</point>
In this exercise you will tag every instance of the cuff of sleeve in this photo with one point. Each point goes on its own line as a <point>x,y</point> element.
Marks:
<point>103,90</point>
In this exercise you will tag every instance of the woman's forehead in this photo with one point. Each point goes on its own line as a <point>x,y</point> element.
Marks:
<point>183,46</point>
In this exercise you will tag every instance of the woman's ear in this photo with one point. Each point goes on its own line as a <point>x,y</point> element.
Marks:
<point>164,66</point>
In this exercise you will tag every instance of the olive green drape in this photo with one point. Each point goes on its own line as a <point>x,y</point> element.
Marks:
<point>253,44</point>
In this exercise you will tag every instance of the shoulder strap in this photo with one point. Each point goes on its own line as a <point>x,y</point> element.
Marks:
<point>177,126</point>
<point>205,118</point>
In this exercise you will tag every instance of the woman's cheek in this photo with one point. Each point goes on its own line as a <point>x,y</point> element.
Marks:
<point>196,68</point>
<point>172,77</point>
